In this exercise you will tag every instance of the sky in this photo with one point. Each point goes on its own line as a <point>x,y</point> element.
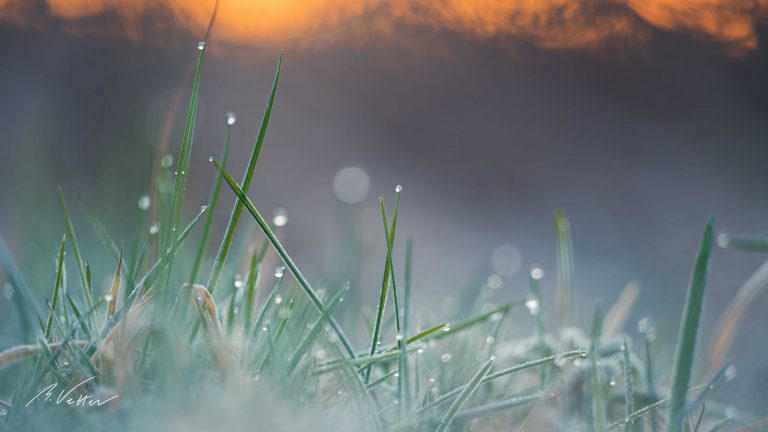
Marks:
<point>638,119</point>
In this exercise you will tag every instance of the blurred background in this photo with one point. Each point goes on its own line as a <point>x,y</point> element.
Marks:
<point>638,119</point>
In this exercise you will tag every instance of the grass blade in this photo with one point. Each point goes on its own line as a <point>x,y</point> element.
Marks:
<point>598,403</point>
<point>56,285</point>
<point>114,291</point>
<point>87,293</point>
<point>245,185</point>
<point>686,342</point>
<point>465,394</point>
<point>564,270</point>
<point>310,292</point>
<point>309,339</point>
<point>212,202</point>
<point>26,308</point>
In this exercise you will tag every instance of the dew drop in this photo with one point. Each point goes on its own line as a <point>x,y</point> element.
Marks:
<point>723,240</point>
<point>495,317</point>
<point>397,374</point>
<point>612,382</point>
<point>279,271</point>
<point>446,357</point>
<point>231,119</point>
<point>108,298</point>
<point>166,161</point>
<point>144,202</point>
<point>730,373</point>
<point>201,45</point>
<point>398,188</point>
<point>399,337</point>
<point>278,300</point>
<point>537,273</point>
<point>490,340</point>
<point>279,217</point>
<point>154,229</point>
<point>210,158</point>
<point>420,351</point>
<point>203,208</point>
<point>447,327</point>
<point>533,306</point>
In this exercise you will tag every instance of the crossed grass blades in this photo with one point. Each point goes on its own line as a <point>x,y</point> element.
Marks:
<point>157,337</point>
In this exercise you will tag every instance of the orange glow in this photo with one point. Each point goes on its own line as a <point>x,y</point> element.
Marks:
<point>563,24</point>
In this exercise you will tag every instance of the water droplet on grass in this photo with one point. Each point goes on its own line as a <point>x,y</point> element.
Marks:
<point>730,373</point>
<point>446,357</point>
<point>144,202</point>
<point>201,45</point>
<point>447,327</point>
<point>154,229</point>
<point>231,119</point>
<point>166,161</point>
<point>537,273</point>
<point>279,271</point>
<point>279,217</point>
<point>278,300</point>
<point>533,306</point>
<point>398,188</point>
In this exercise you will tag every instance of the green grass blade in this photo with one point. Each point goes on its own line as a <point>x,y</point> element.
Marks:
<point>404,376</point>
<point>598,401</point>
<point>686,342</point>
<point>498,406</point>
<point>308,290</point>
<point>87,289</point>
<point>79,317</point>
<point>212,202</point>
<point>564,270</point>
<point>145,283</point>
<point>27,309</point>
<point>314,331</point>
<point>464,395</point>
<point>504,372</point>
<point>245,185</point>
<point>250,289</point>
<point>56,285</point>
<point>182,166</point>
<point>389,277</point>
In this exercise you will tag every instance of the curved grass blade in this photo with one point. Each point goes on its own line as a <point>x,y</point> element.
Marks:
<point>686,342</point>
<point>245,185</point>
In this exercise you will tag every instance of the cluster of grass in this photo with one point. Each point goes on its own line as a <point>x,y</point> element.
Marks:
<point>266,349</point>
